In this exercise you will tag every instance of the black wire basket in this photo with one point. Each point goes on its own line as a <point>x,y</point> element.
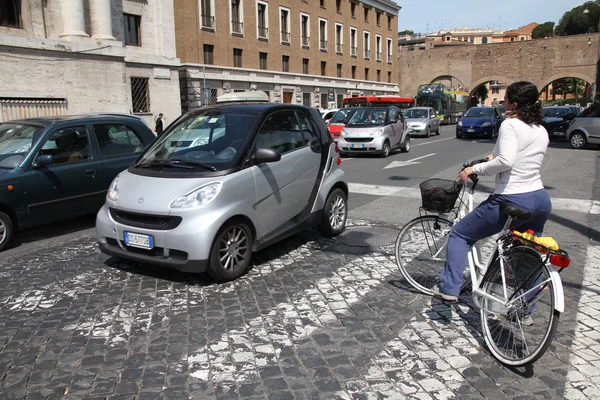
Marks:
<point>439,195</point>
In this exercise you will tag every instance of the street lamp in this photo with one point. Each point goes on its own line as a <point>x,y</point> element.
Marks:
<point>587,11</point>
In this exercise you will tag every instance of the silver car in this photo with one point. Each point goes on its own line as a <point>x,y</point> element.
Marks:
<point>264,172</point>
<point>375,130</point>
<point>422,121</point>
<point>585,128</point>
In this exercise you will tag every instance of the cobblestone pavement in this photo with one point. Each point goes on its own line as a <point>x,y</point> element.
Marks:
<point>313,319</point>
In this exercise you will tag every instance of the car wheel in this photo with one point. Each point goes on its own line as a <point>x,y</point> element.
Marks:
<point>385,151</point>
<point>578,140</point>
<point>335,214</point>
<point>406,147</point>
<point>6,230</point>
<point>428,131</point>
<point>231,251</point>
<point>458,135</point>
<point>437,132</point>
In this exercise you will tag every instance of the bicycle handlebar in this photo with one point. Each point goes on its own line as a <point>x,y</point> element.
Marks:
<point>471,163</point>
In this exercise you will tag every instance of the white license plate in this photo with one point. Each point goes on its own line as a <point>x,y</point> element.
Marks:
<point>138,240</point>
<point>352,145</point>
<point>470,130</point>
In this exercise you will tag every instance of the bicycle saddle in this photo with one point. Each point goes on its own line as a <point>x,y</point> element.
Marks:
<point>513,211</point>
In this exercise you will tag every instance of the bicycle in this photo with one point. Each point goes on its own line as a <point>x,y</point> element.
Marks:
<point>518,291</point>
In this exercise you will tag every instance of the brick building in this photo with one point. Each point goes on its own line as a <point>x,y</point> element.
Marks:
<point>76,56</point>
<point>312,52</point>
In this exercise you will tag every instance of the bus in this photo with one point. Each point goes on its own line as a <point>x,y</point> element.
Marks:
<point>384,100</point>
<point>448,104</point>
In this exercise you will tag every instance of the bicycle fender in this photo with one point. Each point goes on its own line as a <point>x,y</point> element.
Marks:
<point>559,295</point>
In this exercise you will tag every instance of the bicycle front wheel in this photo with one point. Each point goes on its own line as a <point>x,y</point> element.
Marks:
<point>421,251</point>
<point>519,331</point>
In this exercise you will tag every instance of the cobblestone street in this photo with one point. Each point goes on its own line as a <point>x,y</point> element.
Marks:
<point>313,319</point>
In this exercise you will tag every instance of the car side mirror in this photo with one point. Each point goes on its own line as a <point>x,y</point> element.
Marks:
<point>266,155</point>
<point>569,117</point>
<point>43,161</point>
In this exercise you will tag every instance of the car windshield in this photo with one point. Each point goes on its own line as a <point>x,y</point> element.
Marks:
<point>342,116</point>
<point>209,140</point>
<point>477,112</point>
<point>555,112</point>
<point>415,113</point>
<point>15,142</point>
<point>368,117</point>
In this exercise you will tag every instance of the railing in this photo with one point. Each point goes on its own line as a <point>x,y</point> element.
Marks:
<point>367,53</point>
<point>285,37</point>
<point>339,48</point>
<point>208,21</point>
<point>306,41</point>
<point>263,32</point>
<point>323,45</point>
<point>353,51</point>
<point>237,27</point>
<point>379,56</point>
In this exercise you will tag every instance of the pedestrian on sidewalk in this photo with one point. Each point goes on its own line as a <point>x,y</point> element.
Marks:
<point>516,162</point>
<point>159,125</point>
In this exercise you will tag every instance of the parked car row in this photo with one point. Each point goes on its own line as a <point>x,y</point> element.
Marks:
<point>580,128</point>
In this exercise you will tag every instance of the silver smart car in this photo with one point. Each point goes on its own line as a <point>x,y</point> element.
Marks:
<point>264,172</point>
<point>375,130</point>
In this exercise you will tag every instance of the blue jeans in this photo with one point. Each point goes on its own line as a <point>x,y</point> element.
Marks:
<point>484,221</point>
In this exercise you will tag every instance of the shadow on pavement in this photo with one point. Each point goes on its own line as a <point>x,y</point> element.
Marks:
<point>53,230</point>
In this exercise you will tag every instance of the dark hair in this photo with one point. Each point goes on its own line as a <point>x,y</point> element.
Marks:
<point>526,95</point>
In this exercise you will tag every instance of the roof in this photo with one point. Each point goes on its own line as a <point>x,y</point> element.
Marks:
<point>524,30</point>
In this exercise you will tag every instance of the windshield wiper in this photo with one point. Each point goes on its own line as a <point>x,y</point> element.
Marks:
<point>193,162</point>
<point>175,164</point>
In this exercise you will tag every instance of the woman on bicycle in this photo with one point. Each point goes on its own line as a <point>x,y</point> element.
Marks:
<point>516,162</point>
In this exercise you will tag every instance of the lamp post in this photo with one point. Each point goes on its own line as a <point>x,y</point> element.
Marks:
<point>587,11</point>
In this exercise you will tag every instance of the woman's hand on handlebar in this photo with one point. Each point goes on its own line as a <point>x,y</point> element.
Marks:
<point>464,174</point>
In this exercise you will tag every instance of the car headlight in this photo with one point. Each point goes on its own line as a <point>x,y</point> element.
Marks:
<point>200,142</point>
<point>343,133</point>
<point>459,123</point>
<point>486,124</point>
<point>198,197</point>
<point>113,190</point>
<point>377,132</point>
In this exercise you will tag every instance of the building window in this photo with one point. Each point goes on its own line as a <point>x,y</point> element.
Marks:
<point>367,73</point>
<point>378,18</point>
<point>237,15</point>
<point>354,72</point>
<point>305,30</point>
<point>339,39</point>
<point>322,3</point>
<point>378,48</point>
<point>378,75</point>
<point>495,90</point>
<point>512,39</point>
<point>353,10</point>
<point>10,13</point>
<point>237,58</point>
<point>389,76</point>
<point>305,66</point>
<point>324,68</point>
<point>285,63</point>
<point>306,99</point>
<point>472,39</point>
<point>140,95</point>
<point>208,54</point>
<point>263,60</point>
<point>207,15</point>
<point>366,14</point>
<point>353,43</point>
<point>389,50</point>
<point>284,22</point>
<point>323,34</point>
<point>338,5</point>
<point>339,70</point>
<point>131,25</point>
<point>522,38</point>
<point>262,20</point>
<point>484,40</point>
<point>389,22</point>
<point>367,39</point>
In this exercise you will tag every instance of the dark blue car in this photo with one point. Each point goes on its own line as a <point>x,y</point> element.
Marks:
<point>480,121</point>
<point>54,168</point>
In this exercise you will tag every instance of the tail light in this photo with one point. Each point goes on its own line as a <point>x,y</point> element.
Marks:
<point>337,149</point>
<point>559,260</point>
<point>338,161</point>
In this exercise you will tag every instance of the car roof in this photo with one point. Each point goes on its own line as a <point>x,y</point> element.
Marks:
<point>55,119</point>
<point>418,108</point>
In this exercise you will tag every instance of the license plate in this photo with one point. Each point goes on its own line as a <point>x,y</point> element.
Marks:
<point>363,146</point>
<point>470,130</point>
<point>138,240</point>
<point>352,145</point>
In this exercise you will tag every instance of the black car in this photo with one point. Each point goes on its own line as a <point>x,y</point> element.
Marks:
<point>557,120</point>
<point>55,168</point>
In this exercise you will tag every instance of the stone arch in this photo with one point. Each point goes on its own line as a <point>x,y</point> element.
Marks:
<point>481,81</point>
<point>588,78</point>
<point>446,77</point>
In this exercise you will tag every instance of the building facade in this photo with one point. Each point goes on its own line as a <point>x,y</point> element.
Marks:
<point>71,56</point>
<point>311,52</point>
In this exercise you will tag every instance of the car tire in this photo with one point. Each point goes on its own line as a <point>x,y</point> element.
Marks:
<point>232,237</point>
<point>578,140</point>
<point>385,150</point>
<point>406,146</point>
<point>428,131</point>
<point>7,230</point>
<point>458,135</point>
<point>335,214</point>
<point>437,132</point>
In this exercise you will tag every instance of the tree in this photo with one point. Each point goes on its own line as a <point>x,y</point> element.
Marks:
<point>576,22</point>
<point>543,31</point>
<point>481,93</point>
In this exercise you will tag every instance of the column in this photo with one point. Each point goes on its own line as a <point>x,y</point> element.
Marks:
<point>73,22</point>
<point>101,19</point>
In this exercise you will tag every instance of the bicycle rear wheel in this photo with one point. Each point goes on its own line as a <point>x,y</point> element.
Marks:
<point>519,333</point>
<point>421,251</point>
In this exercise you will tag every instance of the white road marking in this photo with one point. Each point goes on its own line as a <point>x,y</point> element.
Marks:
<point>433,141</point>
<point>395,164</point>
<point>558,203</point>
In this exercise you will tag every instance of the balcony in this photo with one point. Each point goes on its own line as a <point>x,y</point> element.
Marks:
<point>353,51</point>
<point>339,48</point>
<point>263,32</point>
<point>285,37</point>
<point>378,56</point>
<point>208,21</point>
<point>367,54</point>
<point>389,58</point>
<point>323,45</point>
<point>237,27</point>
<point>305,41</point>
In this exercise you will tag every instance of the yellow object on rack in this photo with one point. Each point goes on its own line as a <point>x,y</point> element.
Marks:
<point>545,241</point>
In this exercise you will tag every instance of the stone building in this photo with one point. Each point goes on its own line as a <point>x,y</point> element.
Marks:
<point>76,56</point>
<point>312,52</point>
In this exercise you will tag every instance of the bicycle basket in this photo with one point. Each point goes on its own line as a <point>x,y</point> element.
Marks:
<point>439,195</point>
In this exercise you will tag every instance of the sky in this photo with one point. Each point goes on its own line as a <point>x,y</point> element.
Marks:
<point>427,16</point>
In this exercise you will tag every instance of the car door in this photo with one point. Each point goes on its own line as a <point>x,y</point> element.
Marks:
<point>65,187</point>
<point>395,122</point>
<point>283,188</point>
<point>435,121</point>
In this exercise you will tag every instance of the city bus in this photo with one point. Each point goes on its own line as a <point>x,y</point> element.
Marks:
<point>384,100</point>
<point>448,104</point>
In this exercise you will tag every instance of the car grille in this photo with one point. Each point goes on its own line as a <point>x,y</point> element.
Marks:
<point>358,140</point>
<point>147,221</point>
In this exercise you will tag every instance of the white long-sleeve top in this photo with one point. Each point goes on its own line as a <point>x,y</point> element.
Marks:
<point>518,156</point>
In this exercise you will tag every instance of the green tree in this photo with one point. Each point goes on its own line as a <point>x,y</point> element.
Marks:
<point>544,30</point>
<point>576,22</point>
<point>481,93</point>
